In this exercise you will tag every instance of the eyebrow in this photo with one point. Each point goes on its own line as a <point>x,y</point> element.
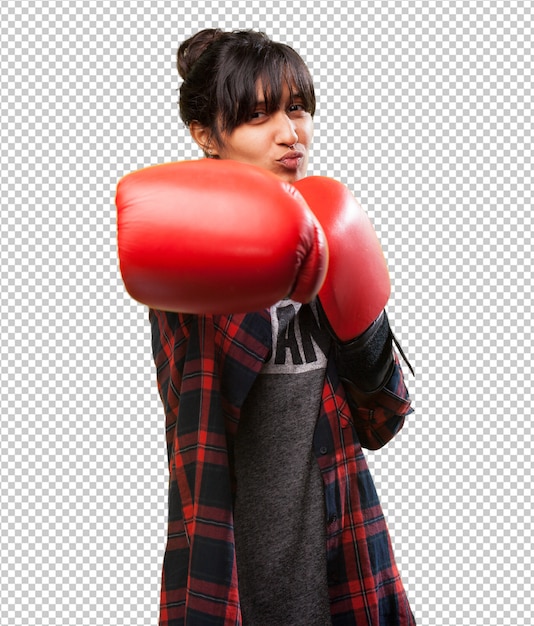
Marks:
<point>293,96</point>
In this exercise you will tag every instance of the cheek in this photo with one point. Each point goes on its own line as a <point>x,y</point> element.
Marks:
<point>306,132</point>
<point>311,129</point>
<point>247,146</point>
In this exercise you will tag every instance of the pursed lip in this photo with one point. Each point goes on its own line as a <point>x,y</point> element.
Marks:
<point>291,159</point>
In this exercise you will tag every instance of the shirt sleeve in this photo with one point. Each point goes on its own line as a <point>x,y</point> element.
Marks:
<point>379,416</point>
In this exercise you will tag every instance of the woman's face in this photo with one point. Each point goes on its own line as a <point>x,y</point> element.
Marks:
<point>278,142</point>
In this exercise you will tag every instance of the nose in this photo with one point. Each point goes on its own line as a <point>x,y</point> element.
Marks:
<point>286,130</point>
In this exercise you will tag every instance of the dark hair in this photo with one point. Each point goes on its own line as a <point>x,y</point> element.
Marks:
<point>221,72</point>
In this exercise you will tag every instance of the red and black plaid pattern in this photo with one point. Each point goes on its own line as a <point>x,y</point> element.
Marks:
<point>205,368</point>
<point>365,586</point>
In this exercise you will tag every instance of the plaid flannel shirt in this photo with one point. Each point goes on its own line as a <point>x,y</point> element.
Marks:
<point>206,366</point>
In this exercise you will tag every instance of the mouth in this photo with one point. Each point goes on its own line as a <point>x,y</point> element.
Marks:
<point>291,160</point>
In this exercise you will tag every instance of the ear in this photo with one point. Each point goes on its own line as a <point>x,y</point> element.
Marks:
<point>202,137</point>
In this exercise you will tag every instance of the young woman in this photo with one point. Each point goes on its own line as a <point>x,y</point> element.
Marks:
<point>273,515</point>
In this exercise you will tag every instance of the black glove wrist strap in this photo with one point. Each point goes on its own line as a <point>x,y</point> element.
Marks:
<point>367,361</point>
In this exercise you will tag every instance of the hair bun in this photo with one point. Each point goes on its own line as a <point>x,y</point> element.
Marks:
<point>190,50</point>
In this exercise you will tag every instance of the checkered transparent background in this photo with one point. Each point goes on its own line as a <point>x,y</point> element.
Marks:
<point>425,110</point>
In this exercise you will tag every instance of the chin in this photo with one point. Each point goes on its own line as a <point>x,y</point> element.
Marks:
<point>291,177</point>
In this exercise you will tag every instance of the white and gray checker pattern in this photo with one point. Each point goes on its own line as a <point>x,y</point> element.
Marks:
<point>425,110</point>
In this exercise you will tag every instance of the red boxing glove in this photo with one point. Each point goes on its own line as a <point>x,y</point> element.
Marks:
<point>357,286</point>
<point>216,236</point>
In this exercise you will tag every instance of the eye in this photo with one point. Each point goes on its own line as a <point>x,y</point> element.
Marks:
<point>258,115</point>
<point>296,108</point>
